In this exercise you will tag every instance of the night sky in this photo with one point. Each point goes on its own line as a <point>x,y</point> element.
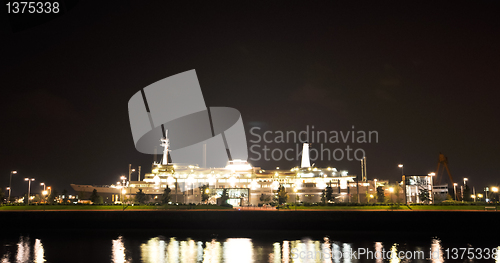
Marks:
<point>425,75</point>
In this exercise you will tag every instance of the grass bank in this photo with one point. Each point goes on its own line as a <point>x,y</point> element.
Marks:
<point>215,207</point>
<point>394,207</point>
<point>108,207</point>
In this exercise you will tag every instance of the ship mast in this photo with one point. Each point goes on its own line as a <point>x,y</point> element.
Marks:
<point>165,143</point>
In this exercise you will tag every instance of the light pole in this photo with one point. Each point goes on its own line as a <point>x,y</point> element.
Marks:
<point>177,187</point>
<point>10,182</point>
<point>124,191</point>
<point>392,191</point>
<point>494,189</point>
<point>8,188</point>
<point>129,180</point>
<point>455,191</point>
<point>404,182</point>
<point>401,166</point>
<point>29,187</point>
<point>463,190</point>
<point>130,171</point>
<point>44,192</point>
<point>120,191</point>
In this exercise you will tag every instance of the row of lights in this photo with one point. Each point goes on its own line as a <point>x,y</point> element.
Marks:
<point>493,189</point>
<point>29,180</point>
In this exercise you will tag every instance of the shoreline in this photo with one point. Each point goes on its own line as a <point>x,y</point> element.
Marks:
<point>245,210</point>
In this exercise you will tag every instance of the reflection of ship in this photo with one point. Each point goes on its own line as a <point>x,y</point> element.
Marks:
<point>246,185</point>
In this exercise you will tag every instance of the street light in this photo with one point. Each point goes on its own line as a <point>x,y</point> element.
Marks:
<point>391,189</point>
<point>8,188</point>
<point>401,166</point>
<point>455,190</point>
<point>43,190</point>
<point>123,178</point>
<point>29,187</point>
<point>10,182</point>
<point>130,170</point>
<point>130,174</point>
<point>463,189</point>
<point>473,197</point>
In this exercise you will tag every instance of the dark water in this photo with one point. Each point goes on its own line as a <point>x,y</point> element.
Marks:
<point>219,246</point>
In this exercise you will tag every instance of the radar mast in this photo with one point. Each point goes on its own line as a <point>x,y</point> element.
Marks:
<point>165,143</point>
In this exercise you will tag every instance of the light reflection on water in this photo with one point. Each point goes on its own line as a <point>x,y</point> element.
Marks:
<point>378,251</point>
<point>436,251</point>
<point>27,251</point>
<point>161,249</point>
<point>394,250</point>
<point>118,251</point>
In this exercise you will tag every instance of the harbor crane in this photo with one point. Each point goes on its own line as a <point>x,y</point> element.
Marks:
<point>444,161</point>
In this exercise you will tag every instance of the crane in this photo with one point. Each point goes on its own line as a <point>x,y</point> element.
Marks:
<point>444,160</point>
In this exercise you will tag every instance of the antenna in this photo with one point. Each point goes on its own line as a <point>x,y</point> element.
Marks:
<point>165,143</point>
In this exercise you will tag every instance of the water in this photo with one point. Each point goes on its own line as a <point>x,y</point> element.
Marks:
<point>216,246</point>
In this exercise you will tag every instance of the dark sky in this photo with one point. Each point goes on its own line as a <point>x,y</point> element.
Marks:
<point>425,75</point>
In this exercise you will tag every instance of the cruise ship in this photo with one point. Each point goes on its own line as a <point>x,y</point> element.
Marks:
<point>245,185</point>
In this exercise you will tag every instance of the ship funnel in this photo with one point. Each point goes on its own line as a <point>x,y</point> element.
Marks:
<point>305,156</point>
